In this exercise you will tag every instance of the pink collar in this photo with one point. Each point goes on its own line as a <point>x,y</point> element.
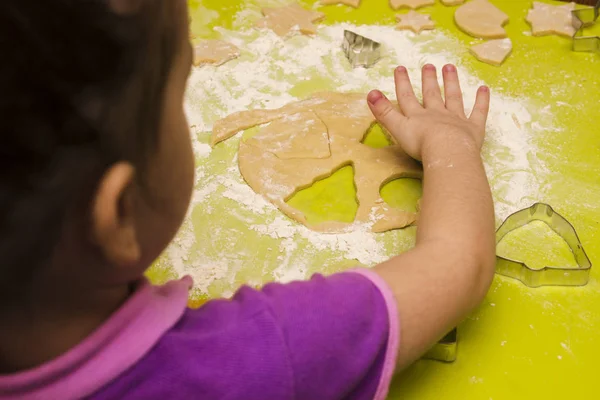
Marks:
<point>108,352</point>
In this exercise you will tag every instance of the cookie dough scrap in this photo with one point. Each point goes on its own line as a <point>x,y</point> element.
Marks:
<point>301,135</point>
<point>214,52</point>
<point>285,20</point>
<point>351,3</point>
<point>546,19</point>
<point>323,134</point>
<point>450,3</point>
<point>493,52</point>
<point>225,128</point>
<point>414,21</point>
<point>481,19</point>
<point>413,4</point>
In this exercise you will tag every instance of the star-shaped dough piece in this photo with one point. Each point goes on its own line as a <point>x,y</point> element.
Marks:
<point>285,20</point>
<point>414,4</point>
<point>414,21</point>
<point>480,18</point>
<point>493,52</point>
<point>546,19</point>
<point>214,52</point>
<point>351,3</point>
<point>450,3</point>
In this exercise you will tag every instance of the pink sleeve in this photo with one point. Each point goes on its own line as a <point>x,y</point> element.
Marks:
<point>393,345</point>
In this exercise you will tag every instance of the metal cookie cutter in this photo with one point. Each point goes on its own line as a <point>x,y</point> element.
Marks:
<point>547,276</point>
<point>583,18</point>
<point>445,349</point>
<point>360,51</point>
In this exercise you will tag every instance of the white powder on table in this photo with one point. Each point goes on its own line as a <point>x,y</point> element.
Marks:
<point>269,70</point>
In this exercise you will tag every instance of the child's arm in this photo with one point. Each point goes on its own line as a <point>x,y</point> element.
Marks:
<point>451,268</point>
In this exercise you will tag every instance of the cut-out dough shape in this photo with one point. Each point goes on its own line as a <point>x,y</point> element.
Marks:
<point>493,52</point>
<point>351,3</point>
<point>215,52</point>
<point>450,3</point>
<point>480,18</point>
<point>301,135</point>
<point>414,21</point>
<point>414,4</point>
<point>285,20</point>
<point>347,119</point>
<point>546,19</point>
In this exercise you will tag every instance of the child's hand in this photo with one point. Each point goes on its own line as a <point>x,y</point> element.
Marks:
<point>418,127</point>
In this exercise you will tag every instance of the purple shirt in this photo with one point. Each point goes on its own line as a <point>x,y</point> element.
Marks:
<point>327,338</point>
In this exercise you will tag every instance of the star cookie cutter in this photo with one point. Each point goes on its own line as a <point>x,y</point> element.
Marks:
<point>445,349</point>
<point>582,18</point>
<point>547,276</point>
<point>360,51</point>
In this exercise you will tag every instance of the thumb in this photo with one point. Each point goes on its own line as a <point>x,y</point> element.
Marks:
<point>385,112</point>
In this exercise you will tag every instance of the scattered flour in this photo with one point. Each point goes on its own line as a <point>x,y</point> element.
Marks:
<point>269,74</point>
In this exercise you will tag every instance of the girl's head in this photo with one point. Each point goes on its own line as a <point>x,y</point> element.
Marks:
<point>96,167</point>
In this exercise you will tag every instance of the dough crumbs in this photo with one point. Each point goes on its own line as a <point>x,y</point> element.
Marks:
<point>481,19</point>
<point>413,4</point>
<point>449,3</point>
<point>414,21</point>
<point>351,3</point>
<point>285,20</point>
<point>493,52</point>
<point>214,52</point>
<point>546,19</point>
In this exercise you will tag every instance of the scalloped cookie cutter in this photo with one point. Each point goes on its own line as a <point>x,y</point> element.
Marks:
<point>582,18</point>
<point>445,349</point>
<point>360,51</point>
<point>547,276</point>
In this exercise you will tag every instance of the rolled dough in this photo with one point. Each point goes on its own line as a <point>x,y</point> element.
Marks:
<point>278,174</point>
<point>493,52</point>
<point>215,52</point>
<point>351,3</point>
<point>546,19</point>
<point>413,4</point>
<point>480,18</point>
<point>414,21</point>
<point>449,3</point>
<point>284,20</point>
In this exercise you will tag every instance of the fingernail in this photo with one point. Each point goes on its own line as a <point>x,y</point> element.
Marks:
<point>450,68</point>
<point>485,89</point>
<point>429,67</point>
<point>375,96</point>
<point>401,69</point>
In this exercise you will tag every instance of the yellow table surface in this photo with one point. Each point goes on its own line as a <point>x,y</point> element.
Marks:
<point>521,343</point>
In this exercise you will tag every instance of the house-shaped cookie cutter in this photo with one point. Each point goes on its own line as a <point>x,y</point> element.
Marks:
<point>547,276</point>
<point>445,349</point>
<point>360,51</point>
<point>582,18</point>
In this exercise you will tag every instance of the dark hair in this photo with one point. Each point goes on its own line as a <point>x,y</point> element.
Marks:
<point>81,88</point>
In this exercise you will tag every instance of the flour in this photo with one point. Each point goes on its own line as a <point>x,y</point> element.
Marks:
<point>271,73</point>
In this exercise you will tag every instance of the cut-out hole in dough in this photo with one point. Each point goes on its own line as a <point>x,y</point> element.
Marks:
<point>376,137</point>
<point>403,193</point>
<point>329,199</point>
<point>538,246</point>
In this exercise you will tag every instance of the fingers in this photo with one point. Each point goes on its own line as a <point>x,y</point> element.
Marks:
<point>404,92</point>
<point>452,91</point>
<point>385,112</point>
<point>432,96</point>
<point>482,107</point>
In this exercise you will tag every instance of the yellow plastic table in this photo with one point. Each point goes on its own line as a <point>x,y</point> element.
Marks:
<point>521,343</point>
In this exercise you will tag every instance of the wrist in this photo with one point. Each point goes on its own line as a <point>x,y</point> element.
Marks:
<point>453,148</point>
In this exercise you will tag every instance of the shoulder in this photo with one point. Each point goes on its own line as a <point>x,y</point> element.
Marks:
<point>282,342</point>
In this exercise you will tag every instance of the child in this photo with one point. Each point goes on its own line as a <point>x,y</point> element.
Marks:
<point>96,173</point>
